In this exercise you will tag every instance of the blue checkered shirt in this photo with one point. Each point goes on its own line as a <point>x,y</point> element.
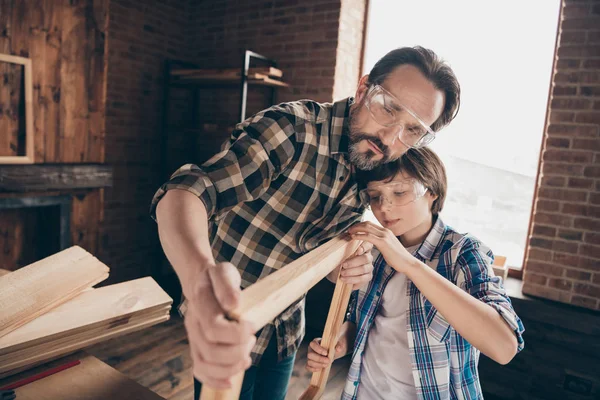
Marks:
<point>443,363</point>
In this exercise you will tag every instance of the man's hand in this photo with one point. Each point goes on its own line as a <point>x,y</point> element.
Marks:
<point>220,348</point>
<point>356,270</point>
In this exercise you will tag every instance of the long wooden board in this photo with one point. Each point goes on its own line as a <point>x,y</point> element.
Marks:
<point>67,340</point>
<point>10,369</point>
<point>267,298</point>
<point>31,291</point>
<point>91,309</point>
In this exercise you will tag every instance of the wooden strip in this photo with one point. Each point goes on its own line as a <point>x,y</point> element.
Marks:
<point>31,291</point>
<point>91,309</point>
<point>267,298</point>
<point>7,370</point>
<point>91,380</point>
<point>29,131</point>
<point>335,319</point>
<point>14,59</point>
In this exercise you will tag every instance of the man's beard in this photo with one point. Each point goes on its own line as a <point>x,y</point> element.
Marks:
<point>366,161</point>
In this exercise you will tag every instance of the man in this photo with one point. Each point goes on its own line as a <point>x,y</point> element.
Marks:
<point>283,185</point>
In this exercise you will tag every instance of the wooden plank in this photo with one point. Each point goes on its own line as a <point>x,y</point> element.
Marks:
<point>21,178</point>
<point>68,338</point>
<point>50,80</point>
<point>74,113</point>
<point>90,380</point>
<point>335,319</point>
<point>93,308</point>
<point>266,81</point>
<point>97,67</point>
<point>60,343</point>
<point>267,298</point>
<point>8,369</point>
<point>37,288</point>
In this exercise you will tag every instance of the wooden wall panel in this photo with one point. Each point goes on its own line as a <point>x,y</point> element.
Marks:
<point>66,42</point>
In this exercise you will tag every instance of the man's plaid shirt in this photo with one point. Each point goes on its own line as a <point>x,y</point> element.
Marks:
<point>281,186</point>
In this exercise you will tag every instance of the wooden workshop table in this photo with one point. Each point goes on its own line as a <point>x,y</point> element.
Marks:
<point>90,380</point>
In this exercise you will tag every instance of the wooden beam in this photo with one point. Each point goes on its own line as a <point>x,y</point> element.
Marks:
<point>269,297</point>
<point>27,178</point>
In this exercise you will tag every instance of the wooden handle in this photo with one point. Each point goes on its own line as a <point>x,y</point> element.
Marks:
<point>233,393</point>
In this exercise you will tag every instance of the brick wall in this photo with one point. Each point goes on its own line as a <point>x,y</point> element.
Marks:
<point>142,34</point>
<point>302,36</point>
<point>563,261</point>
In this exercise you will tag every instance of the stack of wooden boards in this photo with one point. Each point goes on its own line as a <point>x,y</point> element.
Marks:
<point>269,76</point>
<point>49,309</point>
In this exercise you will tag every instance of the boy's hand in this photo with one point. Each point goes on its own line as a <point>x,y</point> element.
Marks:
<point>317,355</point>
<point>356,270</point>
<point>386,242</point>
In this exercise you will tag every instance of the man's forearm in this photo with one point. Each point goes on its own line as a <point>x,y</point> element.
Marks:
<point>183,231</point>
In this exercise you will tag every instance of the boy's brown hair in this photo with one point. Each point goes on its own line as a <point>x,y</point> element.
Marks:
<point>421,164</point>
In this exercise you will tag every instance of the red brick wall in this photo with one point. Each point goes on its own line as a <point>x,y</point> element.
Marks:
<point>141,35</point>
<point>563,261</point>
<point>302,36</point>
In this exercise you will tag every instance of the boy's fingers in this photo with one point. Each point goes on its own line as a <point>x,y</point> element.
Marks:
<point>317,348</point>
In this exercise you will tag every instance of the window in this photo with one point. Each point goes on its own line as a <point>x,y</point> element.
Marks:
<point>502,53</point>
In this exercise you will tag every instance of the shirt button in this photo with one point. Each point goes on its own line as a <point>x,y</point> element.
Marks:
<point>355,383</point>
<point>341,178</point>
<point>378,293</point>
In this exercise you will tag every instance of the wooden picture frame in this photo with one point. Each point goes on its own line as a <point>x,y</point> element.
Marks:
<point>28,158</point>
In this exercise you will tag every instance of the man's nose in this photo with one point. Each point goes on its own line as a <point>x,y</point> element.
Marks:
<point>391,134</point>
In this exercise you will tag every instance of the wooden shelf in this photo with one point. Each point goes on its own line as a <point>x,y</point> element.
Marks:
<point>256,76</point>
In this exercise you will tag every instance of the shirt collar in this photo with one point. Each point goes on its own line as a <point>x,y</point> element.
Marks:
<point>433,240</point>
<point>340,125</point>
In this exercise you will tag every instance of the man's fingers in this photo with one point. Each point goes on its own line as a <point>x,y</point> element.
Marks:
<point>224,354</point>
<point>357,271</point>
<point>226,281</point>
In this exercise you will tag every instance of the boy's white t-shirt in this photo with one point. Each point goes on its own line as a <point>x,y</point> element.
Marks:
<point>386,368</point>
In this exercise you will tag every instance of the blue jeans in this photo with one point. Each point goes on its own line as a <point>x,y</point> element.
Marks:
<point>267,381</point>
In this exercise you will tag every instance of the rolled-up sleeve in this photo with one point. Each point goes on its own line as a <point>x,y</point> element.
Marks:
<point>476,277</point>
<point>258,151</point>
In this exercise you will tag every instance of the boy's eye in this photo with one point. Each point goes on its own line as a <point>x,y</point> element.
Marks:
<point>399,193</point>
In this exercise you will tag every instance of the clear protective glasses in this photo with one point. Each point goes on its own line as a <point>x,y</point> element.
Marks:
<point>395,194</point>
<point>388,111</point>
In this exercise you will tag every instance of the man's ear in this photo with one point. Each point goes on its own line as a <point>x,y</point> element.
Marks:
<point>361,91</point>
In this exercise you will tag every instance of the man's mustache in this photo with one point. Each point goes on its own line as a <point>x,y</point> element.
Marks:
<point>357,137</point>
